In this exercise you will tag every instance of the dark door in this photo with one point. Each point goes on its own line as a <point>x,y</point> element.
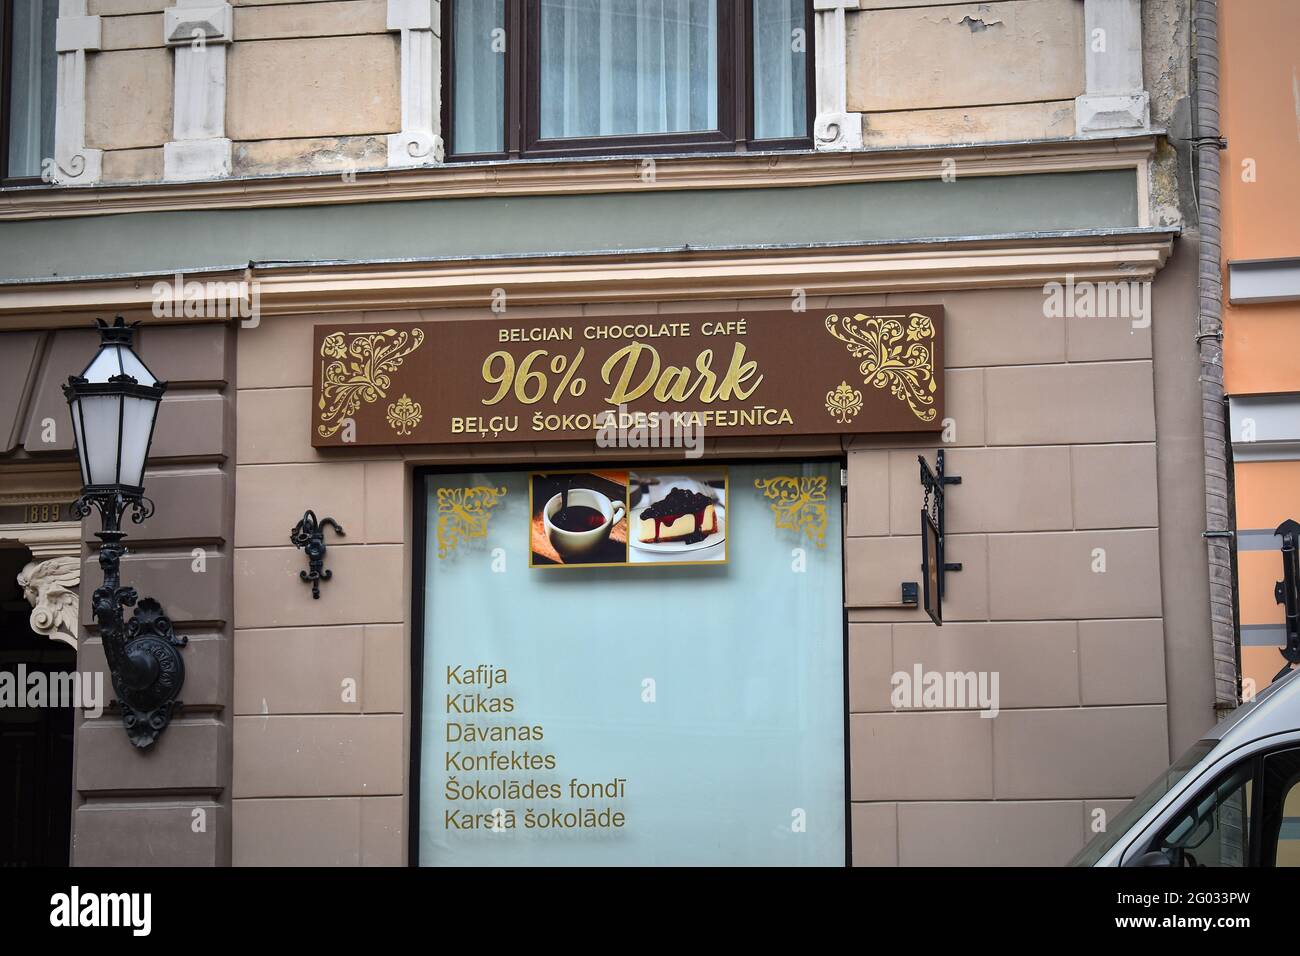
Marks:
<point>35,742</point>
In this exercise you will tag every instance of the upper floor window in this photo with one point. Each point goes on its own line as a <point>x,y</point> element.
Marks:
<point>573,77</point>
<point>28,77</point>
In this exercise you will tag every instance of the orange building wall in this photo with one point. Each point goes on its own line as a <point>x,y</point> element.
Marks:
<point>1260,115</point>
<point>1259,43</point>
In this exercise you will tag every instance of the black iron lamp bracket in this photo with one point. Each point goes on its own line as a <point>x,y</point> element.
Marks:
<point>309,536</point>
<point>1287,591</point>
<point>143,653</point>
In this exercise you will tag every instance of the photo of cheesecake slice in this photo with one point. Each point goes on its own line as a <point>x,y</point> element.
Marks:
<point>681,515</point>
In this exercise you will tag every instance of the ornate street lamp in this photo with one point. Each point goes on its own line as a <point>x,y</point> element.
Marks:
<point>114,404</point>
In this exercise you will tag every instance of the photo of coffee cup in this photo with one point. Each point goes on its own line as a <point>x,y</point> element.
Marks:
<point>579,520</point>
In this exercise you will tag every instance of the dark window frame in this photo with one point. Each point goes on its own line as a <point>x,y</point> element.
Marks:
<point>6,97</point>
<point>521,117</point>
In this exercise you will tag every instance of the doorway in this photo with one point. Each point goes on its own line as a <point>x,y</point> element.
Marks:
<point>35,742</point>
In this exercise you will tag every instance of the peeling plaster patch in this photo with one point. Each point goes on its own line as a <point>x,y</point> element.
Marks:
<point>1166,55</point>
<point>977,24</point>
<point>321,154</point>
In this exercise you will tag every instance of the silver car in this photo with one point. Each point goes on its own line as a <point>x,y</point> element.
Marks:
<point>1232,800</point>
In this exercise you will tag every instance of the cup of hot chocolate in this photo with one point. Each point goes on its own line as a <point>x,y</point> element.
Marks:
<point>578,521</point>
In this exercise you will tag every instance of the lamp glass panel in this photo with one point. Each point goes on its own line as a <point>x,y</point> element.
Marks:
<point>100,415</point>
<point>103,366</point>
<point>137,423</point>
<point>132,366</point>
<point>75,407</point>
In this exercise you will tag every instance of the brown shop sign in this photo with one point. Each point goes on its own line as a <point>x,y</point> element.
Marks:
<point>827,372</point>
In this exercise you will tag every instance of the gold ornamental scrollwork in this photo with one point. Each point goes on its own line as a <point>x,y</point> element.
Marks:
<point>844,402</point>
<point>463,514</point>
<point>897,353</point>
<point>798,504</point>
<point>356,369</point>
<point>404,414</point>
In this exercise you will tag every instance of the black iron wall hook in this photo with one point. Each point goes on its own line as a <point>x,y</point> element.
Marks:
<point>309,535</point>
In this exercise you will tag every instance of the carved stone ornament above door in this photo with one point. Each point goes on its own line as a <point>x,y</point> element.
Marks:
<point>50,587</point>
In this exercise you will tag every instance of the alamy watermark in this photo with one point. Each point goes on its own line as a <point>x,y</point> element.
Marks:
<point>213,299</point>
<point>133,911</point>
<point>624,429</point>
<point>19,688</point>
<point>1098,300</point>
<point>946,690</point>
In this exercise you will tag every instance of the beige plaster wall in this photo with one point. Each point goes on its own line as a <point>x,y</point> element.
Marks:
<point>1055,440</point>
<point>310,86</point>
<point>939,72</point>
<point>129,90</point>
<point>314,85</point>
<point>302,87</point>
<point>1054,437</point>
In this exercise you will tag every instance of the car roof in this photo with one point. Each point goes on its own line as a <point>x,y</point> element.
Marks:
<point>1276,710</point>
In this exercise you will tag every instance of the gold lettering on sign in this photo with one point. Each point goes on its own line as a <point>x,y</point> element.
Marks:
<point>895,357</point>
<point>798,504</point>
<point>677,382</point>
<point>356,368</point>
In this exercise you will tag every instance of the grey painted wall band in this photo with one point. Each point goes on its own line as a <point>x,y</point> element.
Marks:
<point>575,224</point>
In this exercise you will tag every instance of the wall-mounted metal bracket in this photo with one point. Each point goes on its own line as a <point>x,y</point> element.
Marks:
<point>309,535</point>
<point>143,653</point>
<point>934,481</point>
<point>1287,591</point>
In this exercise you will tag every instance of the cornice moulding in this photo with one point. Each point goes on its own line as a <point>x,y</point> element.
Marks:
<point>608,278</point>
<point>538,177</point>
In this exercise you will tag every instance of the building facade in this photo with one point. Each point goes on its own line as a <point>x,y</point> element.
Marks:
<point>1259,303</point>
<point>331,216</point>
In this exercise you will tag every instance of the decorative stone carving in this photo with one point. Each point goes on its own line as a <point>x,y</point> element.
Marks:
<point>420,141</point>
<point>1114,99</point>
<point>199,31</point>
<point>834,127</point>
<point>75,35</point>
<point>50,587</point>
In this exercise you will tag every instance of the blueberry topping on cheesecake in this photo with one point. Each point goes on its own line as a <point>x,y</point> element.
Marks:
<point>678,516</point>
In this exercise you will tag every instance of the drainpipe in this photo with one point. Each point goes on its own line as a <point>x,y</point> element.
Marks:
<point>1218,523</point>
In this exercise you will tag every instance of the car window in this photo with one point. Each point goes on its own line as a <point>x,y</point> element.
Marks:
<point>1280,815</point>
<point>1213,830</point>
<point>1099,845</point>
